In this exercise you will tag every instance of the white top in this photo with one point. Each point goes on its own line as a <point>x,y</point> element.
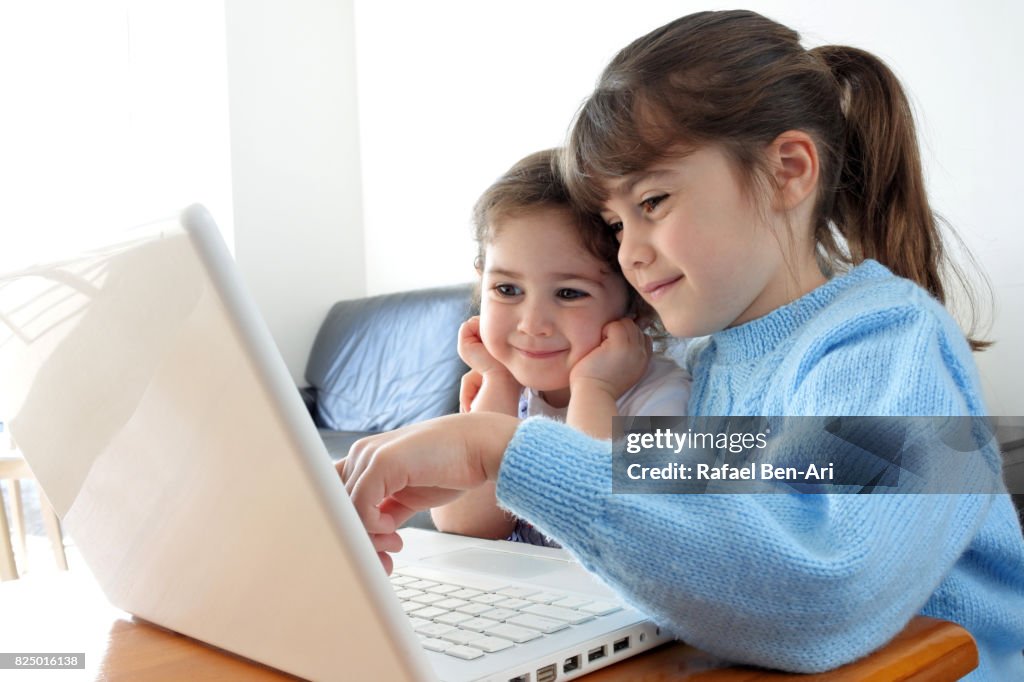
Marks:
<point>663,391</point>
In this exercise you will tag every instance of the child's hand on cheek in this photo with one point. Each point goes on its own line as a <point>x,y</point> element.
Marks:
<point>488,386</point>
<point>472,350</point>
<point>616,364</point>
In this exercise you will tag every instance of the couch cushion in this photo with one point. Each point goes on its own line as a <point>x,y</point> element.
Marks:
<point>382,362</point>
<point>338,443</point>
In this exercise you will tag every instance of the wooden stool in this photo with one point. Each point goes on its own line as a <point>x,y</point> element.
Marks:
<point>14,469</point>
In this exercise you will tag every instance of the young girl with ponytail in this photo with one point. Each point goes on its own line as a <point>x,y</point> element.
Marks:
<point>768,198</point>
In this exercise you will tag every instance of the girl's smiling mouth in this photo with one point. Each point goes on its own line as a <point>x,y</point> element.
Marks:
<point>656,290</point>
<point>541,354</point>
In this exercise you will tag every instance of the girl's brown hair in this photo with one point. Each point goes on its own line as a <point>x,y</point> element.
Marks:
<point>534,183</point>
<point>738,80</point>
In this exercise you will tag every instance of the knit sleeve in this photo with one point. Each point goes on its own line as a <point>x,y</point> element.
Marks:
<point>795,582</point>
<point>892,360</point>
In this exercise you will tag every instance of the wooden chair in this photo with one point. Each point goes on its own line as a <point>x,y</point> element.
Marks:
<point>14,470</point>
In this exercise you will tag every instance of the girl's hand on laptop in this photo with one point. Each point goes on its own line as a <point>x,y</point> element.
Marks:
<point>393,475</point>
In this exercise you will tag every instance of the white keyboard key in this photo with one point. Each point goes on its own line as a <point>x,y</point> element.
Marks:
<point>545,625</point>
<point>570,602</point>
<point>492,644</point>
<point>433,644</point>
<point>453,618</point>
<point>558,613</point>
<point>408,593</point>
<point>478,624</point>
<point>464,652</point>
<point>402,579</point>
<point>423,584</point>
<point>499,614</point>
<point>429,612</point>
<point>513,603</point>
<point>434,629</point>
<point>517,591</point>
<point>466,616</point>
<point>444,589</point>
<point>474,609</point>
<point>546,597</point>
<point>462,636</point>
<point>601,608</point>
<point>514,632</point>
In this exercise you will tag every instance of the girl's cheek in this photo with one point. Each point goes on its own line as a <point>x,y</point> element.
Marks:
<point>487,332</point>
<point>630,276</point>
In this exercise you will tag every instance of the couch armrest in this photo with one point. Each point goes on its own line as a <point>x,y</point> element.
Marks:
<point>308,394</point>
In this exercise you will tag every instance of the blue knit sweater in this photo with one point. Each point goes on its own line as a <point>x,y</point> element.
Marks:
<point>798,582</point>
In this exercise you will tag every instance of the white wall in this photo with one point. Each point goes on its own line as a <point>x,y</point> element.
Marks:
<point>117,112</point>
<point>295,162</point>
<point>114,113</point>
<point>452,93</point>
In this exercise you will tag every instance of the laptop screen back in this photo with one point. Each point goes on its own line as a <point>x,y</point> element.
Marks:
<point>149,399</point>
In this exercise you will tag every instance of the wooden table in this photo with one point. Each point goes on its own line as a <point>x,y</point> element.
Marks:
<point>67,613</point>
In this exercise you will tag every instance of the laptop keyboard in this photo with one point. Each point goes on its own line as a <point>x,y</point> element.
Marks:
<point>468,620</point>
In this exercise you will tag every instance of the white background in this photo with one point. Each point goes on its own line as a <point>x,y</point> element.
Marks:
<point>341,143</point>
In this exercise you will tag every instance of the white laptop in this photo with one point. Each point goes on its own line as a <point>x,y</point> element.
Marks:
<point>151,403</point>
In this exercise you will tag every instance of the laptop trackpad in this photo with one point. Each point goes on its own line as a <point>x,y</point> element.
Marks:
<point>494,562</point>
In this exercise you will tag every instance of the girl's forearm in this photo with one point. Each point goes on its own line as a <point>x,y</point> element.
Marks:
<point>476,514</point>
<point>591,412</point>
<point>497,395</point>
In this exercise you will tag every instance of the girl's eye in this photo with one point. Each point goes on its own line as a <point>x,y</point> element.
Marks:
<point>507,290</point>
<point>616,230</point>
<point>648,205</point>
<point>571,294</point>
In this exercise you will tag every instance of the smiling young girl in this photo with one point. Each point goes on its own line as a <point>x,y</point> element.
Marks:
<point>770,197</point>
<point>559,330</point>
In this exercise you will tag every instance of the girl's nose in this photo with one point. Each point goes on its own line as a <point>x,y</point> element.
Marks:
<point>535,319</point>
<point>635,250</point>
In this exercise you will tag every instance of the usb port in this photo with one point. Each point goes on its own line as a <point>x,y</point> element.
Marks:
<point>571,664</point>
<point>620,645</point>
<point>520,678</point>
<point>547,673</point>
<point>595,654</point>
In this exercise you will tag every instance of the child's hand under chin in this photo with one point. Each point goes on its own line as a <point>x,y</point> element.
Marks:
<point>617,363</point>
<point>487,380</point>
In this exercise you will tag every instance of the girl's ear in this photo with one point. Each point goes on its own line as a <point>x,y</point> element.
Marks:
<point>793,159</point>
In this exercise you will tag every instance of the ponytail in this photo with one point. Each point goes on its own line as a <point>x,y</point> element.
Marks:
<point>877,201</point>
